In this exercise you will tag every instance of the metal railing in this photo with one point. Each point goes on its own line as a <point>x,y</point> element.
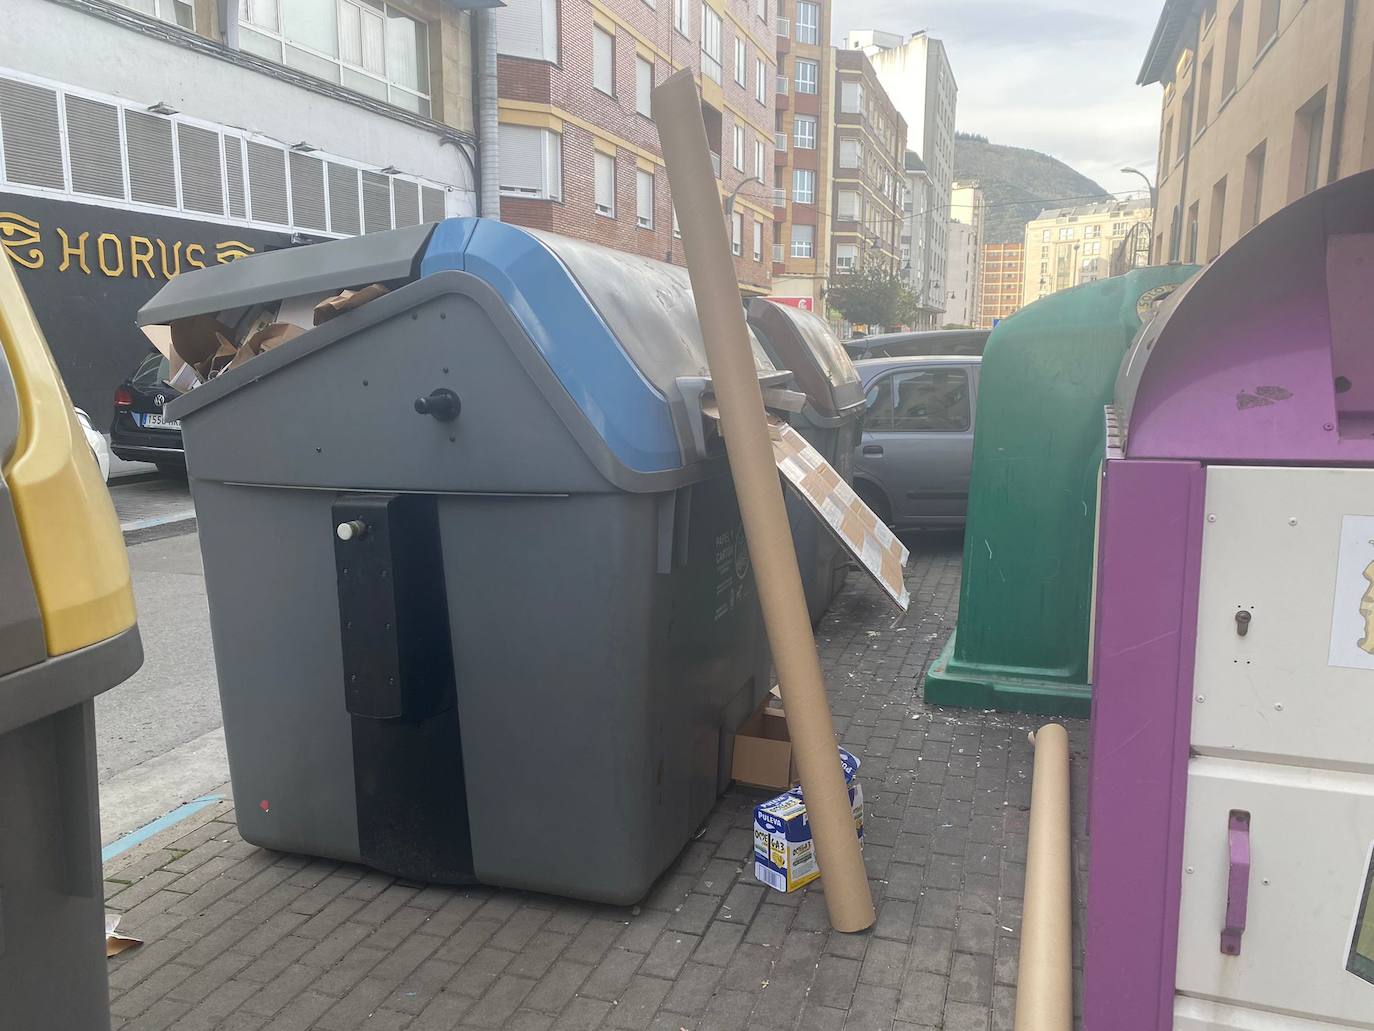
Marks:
<point>779,253</point>
<point>782,83</point>
<point>780,140</point>
<point>785,27</point>
<point>779,197</point>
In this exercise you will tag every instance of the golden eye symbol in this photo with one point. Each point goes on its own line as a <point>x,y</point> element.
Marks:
<point>19,236</point>
<point>231,250</point>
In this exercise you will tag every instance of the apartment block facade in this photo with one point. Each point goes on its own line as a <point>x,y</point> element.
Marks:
<point>142,138</point>
<point>804,122</point>
<point>870,187</point>
<point>1065,247</point>
<point>1004,269</point>
<point>579,149</point>
<point>964,290</point>
<point>916,73</point>
<point>1263,102</point>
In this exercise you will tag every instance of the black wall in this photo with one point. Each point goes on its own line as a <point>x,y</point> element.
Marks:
<point>87,269</point>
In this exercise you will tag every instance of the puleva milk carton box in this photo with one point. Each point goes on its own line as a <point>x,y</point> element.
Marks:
<point>784,855</point>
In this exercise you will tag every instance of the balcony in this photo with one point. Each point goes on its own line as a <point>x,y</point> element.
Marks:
<point>784,26</point>
<point>779,197</point>
<point>715,163</point>
<point>779,254</point>
<point>781,101</point>
<point>780,140</point>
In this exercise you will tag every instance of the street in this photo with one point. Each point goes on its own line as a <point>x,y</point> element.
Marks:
<point>158,734</point>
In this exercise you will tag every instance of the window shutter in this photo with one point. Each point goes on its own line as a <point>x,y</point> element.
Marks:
<point>33,144</point>
<point>605,182</point>
<point>93,146</point>
<point>307,191</point>
<point>152,168</point>
<point>603,60</point>
<point>431,204</point>
<point>644,199</point>
<point>644,85</point>
<point>202,185</point>
<point>376,202</point>
<point>522,160</point>
<point>407,202</point>
<point>233,174</point>
<point>267,183</point>
<point>525,28</point>
<point>343,199</point>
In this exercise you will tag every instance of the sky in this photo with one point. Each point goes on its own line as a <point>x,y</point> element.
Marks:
<point>1054,75</point>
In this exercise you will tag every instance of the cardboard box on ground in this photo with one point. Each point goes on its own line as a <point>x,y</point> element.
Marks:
<point>201,347</point>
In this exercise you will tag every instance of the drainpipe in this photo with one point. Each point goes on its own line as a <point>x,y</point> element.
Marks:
<point>488,133</point>
<point>1333,162</point>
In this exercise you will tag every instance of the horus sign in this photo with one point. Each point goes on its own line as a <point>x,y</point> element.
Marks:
<point>109,254</point>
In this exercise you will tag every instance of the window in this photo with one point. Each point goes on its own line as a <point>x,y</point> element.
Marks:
<point>1307,146</point>
<point>1252,191</point>
<point>1165,146</point>
<point>366,46</point>
<point>1192,232</point>
<point>804,132</point>
<point>644,199</point>
<point>758,240</point>
<point>803,241</point>
<point>1204,91</point>
<point>846,257</point>
<point>849,206</point>
<point>761,6</point>
<point>736,231</point>
<point>677,230</point>
<point>1066,232</point>
<point>851,98</point>
<point>603,60</point>
<point>644,85</point>
<point>1185,123</point>
<point>1118,228</point>
<point>808,22</point>
<point>920,401</point>
<point>741,69</point>
<point>760,80</point>
<point>178,12</point>
<point>806,76</point>
<point>710,42</point>
<point>1091,232</point>
<point>531,163</point>
<point>1045,235</point>
<point>851,152</point>
<point>1230,67</point>
<point>760,155</point>
<point>682,16</point>
<point>1216,218</point>
<point>803,186</point>
<point>604,171</point>
<point>737,157</point>
<point>1268,24</point>
<point>1209,15</point>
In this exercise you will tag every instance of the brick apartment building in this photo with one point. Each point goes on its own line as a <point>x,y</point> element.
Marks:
<point>579,151</point>
<point>804,124</point>
<point>868,168</point>
<point>1004,269</point>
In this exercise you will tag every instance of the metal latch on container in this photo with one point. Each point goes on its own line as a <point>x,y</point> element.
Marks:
<point>1237,880</point>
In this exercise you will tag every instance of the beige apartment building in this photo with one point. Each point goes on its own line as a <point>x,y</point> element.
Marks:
<point>1065,247</point>
<point>1264,101</point>
<point>964,277</point>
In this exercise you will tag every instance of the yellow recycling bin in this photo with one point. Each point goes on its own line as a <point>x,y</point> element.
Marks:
<point>67,633</point>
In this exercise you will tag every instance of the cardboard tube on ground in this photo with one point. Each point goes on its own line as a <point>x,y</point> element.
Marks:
<point>682,135</point>
<point>1044,991</point>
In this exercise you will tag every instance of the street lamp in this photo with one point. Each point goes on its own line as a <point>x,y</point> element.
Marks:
<point>730,200</point>
<point>1154,199</point>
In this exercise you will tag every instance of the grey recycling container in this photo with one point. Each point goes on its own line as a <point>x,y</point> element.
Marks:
<point>831,422</point>
<point>525,664</point>
<point>67,633</point>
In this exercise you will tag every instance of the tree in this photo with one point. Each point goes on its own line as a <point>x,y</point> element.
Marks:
<point>874,295</point>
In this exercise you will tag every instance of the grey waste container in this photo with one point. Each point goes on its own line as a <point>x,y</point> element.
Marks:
<point>67,633</point>
<point>525,665</point>
<point>802,342</point>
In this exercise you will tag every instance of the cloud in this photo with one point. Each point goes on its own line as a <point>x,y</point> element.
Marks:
<point>994,23</point>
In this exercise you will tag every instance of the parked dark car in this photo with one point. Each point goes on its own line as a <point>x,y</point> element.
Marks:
<point>140,432</point>
<point>912,466</point>
<point>919,342</point>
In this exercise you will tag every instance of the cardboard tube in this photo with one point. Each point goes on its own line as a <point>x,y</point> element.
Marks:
<point>682,134</point>
<point>1044,992</point>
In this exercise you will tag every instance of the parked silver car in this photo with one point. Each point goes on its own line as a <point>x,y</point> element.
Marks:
<point>912,465</point>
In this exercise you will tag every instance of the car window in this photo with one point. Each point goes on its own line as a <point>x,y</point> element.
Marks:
<point>151,371</point>
<point>879,396</point>
<point>931,400</point>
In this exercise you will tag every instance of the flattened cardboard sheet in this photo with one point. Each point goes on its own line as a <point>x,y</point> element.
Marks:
<point>853,523</point>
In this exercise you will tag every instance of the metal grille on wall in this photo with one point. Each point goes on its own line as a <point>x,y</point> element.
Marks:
<point>107,151</point>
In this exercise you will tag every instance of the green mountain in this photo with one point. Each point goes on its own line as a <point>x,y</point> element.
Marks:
<point>1018,184</point>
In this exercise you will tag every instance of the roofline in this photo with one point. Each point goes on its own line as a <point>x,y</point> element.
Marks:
<point>1151,71</point>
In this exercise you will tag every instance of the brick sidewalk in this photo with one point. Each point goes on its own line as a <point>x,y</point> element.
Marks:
<point>240,938</point>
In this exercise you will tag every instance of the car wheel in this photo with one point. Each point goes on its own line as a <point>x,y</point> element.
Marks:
<point>873,498</point>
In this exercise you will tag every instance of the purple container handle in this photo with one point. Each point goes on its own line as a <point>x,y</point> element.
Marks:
<point>1237,881</point>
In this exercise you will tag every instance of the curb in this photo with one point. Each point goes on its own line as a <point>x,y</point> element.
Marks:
<point>173,525</point>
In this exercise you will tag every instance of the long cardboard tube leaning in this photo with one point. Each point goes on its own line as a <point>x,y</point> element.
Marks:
<point>682,135</point>
<point>1044,991</point>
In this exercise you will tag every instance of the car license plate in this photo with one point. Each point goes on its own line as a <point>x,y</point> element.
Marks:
<point>157,421</point>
